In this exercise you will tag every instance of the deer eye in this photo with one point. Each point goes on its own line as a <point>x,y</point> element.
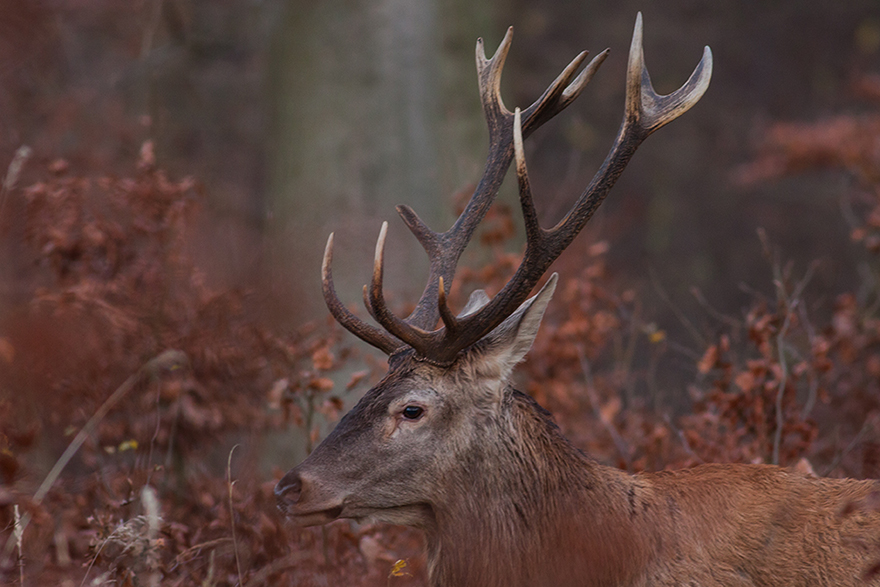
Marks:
<point>413,412</point>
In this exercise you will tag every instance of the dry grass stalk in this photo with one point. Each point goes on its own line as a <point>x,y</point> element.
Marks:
<point>230,483</point>
<point>18,532</point>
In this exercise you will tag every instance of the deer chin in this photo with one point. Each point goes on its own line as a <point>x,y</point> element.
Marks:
<point>414,515</point>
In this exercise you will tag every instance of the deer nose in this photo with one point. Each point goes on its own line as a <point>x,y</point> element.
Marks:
<point>288,489</point>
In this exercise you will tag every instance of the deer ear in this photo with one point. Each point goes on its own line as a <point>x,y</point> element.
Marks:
<point>477,300</point>
<point>508,344</point>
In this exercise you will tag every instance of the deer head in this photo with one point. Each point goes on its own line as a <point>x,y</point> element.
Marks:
<point>443,438</point>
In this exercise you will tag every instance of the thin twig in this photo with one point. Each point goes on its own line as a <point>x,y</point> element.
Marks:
<point>230,483</point>
<point>790,305</point>
<point>150,30</point>
<point>197,548</point>
<point>688,325</point>
<point>813,391</point>
<point>853,443</point>
<point>261,577</point>
<point>629,357</point>
<point>150,467</point>
<point>681,437</point>
<point>619,443</point>
<point>717,314</point>
<point>689,353</point>
<point>783,381</point>
<point>209,580</point>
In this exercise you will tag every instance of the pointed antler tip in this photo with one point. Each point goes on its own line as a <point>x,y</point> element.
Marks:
<point>380,243</point>
<point>706,65</point>
<point>446,315</point>
<point>637,34</point>
<point>407,213</point>
<point>328,255</point>
<point>518,152</point>
<point>504,46</point>
<point>707,57</point>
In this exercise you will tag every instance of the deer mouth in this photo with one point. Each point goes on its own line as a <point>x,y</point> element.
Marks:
<point>311,517</point>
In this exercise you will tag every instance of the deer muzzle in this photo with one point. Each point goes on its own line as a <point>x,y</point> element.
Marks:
<point>294,494</point>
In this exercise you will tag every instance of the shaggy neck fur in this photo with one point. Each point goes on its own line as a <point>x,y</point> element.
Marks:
<point>525,503</point>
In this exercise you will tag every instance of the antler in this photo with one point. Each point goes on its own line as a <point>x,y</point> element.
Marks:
<point>444,249</point>
<point>645,112</point>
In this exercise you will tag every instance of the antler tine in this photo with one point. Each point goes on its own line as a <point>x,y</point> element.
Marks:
<point>534,232</point>
<point>449,320</point>
<point>489,74</point>
<point>575,88</point>
<point>563,91</point>
<point>651,109</point>
<point>370,334</point>
<point>406,332</point>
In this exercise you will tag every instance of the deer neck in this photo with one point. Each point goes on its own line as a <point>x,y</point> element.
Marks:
<point>542,504</point>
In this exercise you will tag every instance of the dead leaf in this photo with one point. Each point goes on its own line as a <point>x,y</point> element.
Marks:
<point>323,359</point>
<point>709,360</point>
<point>745,380</point>
<point>321,383</point>
<point>276,392</point>
<point>356,378</point>
<point>7,351</point>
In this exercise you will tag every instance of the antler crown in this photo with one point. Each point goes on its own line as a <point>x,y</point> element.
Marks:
<point>645,112</point>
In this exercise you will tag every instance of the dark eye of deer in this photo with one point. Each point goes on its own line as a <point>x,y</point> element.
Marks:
<point>413,412</point>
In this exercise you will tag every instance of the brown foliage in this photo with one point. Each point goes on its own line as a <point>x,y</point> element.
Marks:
<point>114,285</point>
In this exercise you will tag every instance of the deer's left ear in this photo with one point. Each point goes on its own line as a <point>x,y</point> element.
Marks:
<point>507,345</point>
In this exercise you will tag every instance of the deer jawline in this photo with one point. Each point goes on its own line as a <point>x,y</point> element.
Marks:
<point>417,515</point>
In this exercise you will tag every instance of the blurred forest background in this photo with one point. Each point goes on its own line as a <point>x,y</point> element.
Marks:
<point>174,168</point>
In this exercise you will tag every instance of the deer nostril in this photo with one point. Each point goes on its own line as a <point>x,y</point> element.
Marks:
<point>288,489</point>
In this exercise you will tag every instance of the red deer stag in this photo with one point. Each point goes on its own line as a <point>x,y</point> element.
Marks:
<point>445,444</point>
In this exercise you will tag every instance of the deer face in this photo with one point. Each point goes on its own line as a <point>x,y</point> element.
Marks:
<point>405,445</point>
<point>380,459</point>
